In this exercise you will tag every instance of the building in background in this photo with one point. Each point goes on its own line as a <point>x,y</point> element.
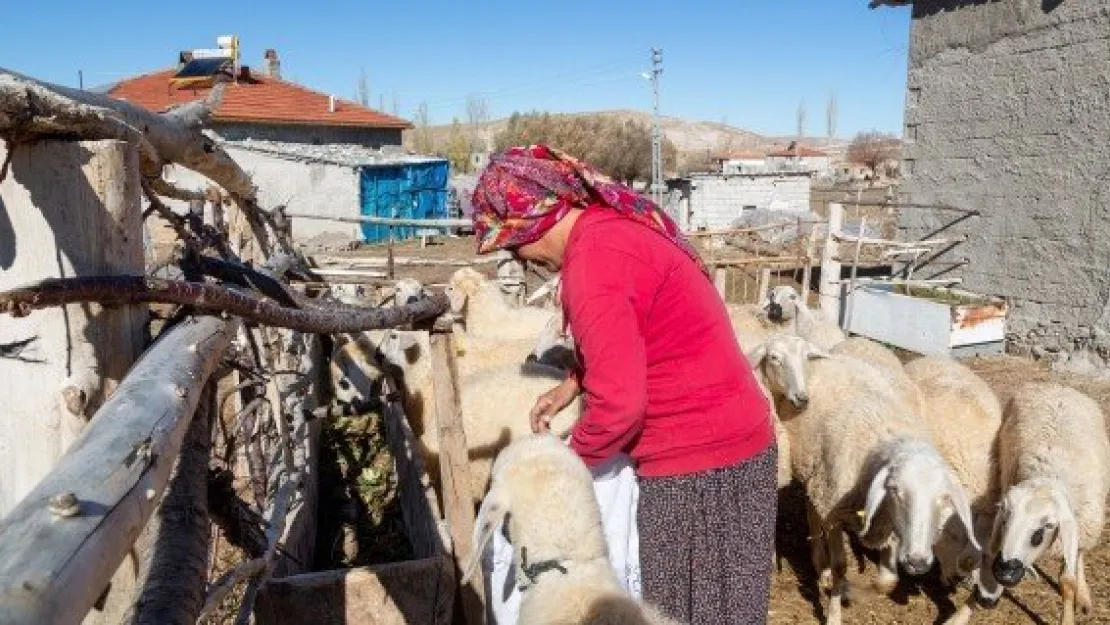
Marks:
<point>712,201</point>
<point>800,158</point>
<point>741,162</point>
<point>1007,115</point>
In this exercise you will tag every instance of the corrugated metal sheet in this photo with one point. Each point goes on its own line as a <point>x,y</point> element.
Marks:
<point>405,191</point>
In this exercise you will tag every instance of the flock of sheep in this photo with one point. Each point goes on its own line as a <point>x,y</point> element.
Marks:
<point>920,461</point>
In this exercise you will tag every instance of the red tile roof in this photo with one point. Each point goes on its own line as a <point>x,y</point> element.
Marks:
<point>262,100</point>
<point>802,151</point>
<point>740,155</point>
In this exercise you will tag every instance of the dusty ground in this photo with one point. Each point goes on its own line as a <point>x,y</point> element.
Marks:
<point>794,599</point>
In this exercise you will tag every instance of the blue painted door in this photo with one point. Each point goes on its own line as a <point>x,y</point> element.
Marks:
<point>402,191</point>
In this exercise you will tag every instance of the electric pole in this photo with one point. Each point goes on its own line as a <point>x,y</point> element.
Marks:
<point>656,133</point>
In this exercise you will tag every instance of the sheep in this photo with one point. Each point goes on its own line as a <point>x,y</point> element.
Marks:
<point>544,494</point>
<point>965,415</point>
<point>853,442</point>
<point>749,324</point>
<point>785,308</point>
<point>1054,470</point>
<point>493,331</point>
<point>494,402</point>
<point>886,363</point>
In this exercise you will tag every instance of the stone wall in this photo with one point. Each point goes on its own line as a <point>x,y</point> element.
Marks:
<point>718,201</point>
<point>312,135</point>
<point>1008,114</point>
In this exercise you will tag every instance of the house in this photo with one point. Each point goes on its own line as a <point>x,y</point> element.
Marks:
<point>799,158</point>
<point>262,106</point>
<point>712,201</point>
<point>304,149</point>
<point>1005,153</point>
<point>741,161</point>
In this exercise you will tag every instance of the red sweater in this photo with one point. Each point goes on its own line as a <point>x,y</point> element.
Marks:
<point>664,378</point>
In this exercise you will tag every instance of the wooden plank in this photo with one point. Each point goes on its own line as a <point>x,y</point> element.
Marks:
<point>53,567</point>
<point>764,281</point>
<point>454,465</point>
<point>720,281</point>
<point>830,266</point>
<point>356,262</point>
<point>418,591</point>
<point>419,503</point>
<point>327,273</point>
<point>389,221</point>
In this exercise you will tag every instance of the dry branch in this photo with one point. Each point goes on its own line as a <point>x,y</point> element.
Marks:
<point>120,290</point>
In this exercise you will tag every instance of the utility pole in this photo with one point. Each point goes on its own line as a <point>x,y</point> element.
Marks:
<point>656,133</point>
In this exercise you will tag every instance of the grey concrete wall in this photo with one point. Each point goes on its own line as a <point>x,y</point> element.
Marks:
<point>318,188</point>
<point>717,201</point>
<point>1008,113</point>
<point>313,135</point>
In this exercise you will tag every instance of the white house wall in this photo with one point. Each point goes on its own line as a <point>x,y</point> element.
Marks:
<point>717,202</point>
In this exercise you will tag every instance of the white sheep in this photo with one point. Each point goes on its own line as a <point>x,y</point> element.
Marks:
<point>1054,461</point>
<point>786,309</point>
<point>886,363</point>
<point>855,446</point>
<point>544,494</point>
<point>749,324</point>
<point>964,414</point>
<point>494,402</point>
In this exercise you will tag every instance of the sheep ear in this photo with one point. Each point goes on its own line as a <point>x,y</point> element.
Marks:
<point>875,495</point>
<point>1068,534</point>
<point>756,356</point>
<point>457,299</point>
<point>490,516</point>
<point>963,509</point>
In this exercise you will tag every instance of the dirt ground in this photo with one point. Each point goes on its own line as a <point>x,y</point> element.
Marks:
<point>794,597</point>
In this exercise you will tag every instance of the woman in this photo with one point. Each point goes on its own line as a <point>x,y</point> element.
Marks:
<point>664,378</point>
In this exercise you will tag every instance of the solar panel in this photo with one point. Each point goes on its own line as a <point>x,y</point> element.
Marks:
<point>202,68</point>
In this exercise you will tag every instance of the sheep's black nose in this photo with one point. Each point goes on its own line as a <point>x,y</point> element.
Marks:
<point>917,565</point>
<point>774,311</point>
<point>531,358</point>
<point>1008,572</point>
<point>412,299</point>
<point>800,401</point>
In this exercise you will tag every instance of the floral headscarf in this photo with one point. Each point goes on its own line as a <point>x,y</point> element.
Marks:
<point>526,190</point>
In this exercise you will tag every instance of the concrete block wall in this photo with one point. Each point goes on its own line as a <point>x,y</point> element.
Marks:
<point>1008,113</point>
<point>311,135</point>
<point>717,201</point>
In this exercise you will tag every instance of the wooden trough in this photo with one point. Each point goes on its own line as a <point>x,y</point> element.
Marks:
<point>417,591</point>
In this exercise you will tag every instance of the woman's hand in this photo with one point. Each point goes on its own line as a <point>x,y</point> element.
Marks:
<point>551,403</point>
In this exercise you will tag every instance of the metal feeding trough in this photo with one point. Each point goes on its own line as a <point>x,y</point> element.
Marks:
<point>926,319</point>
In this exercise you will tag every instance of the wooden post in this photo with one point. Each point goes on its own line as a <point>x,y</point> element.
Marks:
<point>454,467</point>
<point>807,273</point>
<point>764,281</point>
<point>855,257</point>
<point>67,209</point>
<point>389,256</point>
<point>720,280</point>
<point>830,266</point>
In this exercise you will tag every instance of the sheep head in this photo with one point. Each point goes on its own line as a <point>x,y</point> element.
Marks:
<point>1031,517</point>
<point>923,496</point>
<point>464,284</point>
<point>408,291</point>
<point>782,304</point>
<point>782,359</point>
<point>545,493</point>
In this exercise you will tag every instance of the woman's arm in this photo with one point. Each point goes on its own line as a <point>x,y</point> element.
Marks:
<point>604,294</point>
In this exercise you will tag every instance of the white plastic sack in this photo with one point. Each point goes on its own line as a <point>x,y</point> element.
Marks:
<point>617,494</point>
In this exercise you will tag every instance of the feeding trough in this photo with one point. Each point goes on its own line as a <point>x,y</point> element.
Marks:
<point>931,320</point>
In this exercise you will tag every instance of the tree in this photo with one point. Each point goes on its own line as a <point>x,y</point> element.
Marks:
<point>422,134</point>
<point>362,92</point>
<point>801,120</point>
<point>477,115</point>
<point>458,148</point>
<point>832,117</point>
<point>873,149</point>
<point>619,148</point>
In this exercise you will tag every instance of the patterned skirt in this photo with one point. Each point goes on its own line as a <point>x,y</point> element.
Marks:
<point>707,542</point>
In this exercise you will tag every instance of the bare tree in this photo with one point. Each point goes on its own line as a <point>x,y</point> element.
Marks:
<point>458,148</point>
<point>477,115</point>
<point>801,120</point>
<point>422,134</point>
<point>832,117</point>
<point>874,150</point>
<point>362,93</point>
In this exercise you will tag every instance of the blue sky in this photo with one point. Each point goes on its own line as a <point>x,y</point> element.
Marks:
<point>746,62</point>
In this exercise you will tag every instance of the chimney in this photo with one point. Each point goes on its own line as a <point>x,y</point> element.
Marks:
<point>331,103</point>
<point>273,65</point>
<point>244,73</point>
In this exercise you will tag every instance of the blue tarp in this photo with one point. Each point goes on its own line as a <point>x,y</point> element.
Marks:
<point>402,190</point>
